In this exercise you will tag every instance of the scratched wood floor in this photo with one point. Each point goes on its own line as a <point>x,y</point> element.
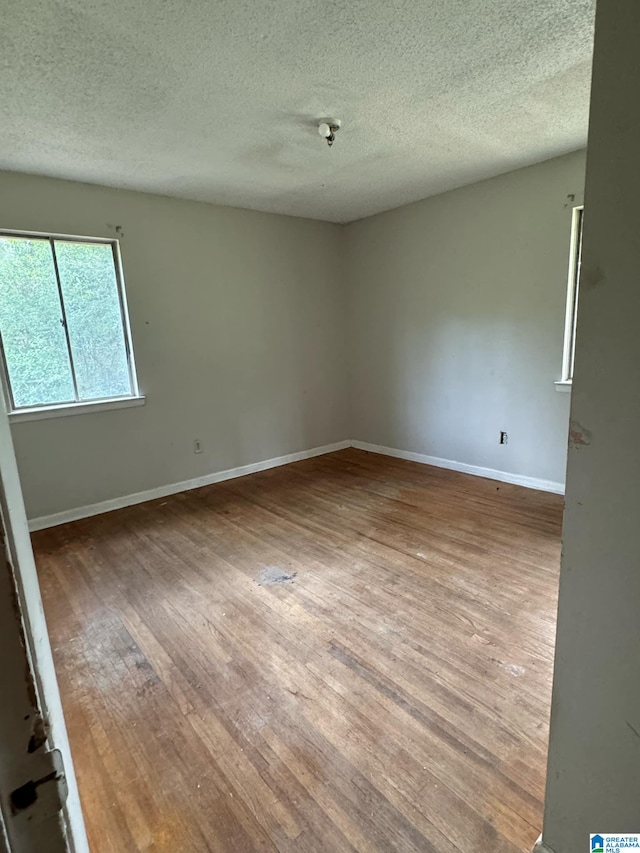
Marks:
<point>392,696</point>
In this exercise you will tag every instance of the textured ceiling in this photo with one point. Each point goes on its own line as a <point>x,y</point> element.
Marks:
<point>218,100</point>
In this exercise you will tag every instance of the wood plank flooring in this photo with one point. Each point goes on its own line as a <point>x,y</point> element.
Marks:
<point>351,653</point>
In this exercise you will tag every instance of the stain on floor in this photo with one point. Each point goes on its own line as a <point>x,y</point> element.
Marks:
<point>274,575</point>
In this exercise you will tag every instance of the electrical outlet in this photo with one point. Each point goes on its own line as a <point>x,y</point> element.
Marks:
<point>197,445</point>
<point>504,438</point>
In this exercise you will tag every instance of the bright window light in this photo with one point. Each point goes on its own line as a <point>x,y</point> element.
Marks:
<point>63,321</point>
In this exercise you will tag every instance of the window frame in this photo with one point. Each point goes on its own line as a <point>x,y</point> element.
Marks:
<point>78,405</point>
<point>573,296</point>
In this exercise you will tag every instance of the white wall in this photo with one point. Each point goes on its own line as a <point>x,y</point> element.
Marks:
<point>238,329</point>
<point>457,316</point>
<point>447,313</point>
<point>594,755</point>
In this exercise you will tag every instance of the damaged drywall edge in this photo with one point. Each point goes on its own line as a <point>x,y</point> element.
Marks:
<point>579,436</point>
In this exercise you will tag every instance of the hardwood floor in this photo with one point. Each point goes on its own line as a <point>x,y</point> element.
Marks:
<point>351,653</point>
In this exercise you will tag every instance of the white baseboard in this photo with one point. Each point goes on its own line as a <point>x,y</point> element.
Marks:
<point>489,473</point>
<point>541,847</point>
<point>218,476</point>
<point>173,488</point>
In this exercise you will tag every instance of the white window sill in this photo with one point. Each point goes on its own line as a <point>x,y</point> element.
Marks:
<point>564,386</point>
<point>66,409</point>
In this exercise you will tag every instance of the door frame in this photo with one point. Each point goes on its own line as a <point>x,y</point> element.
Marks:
<point>32,722</point>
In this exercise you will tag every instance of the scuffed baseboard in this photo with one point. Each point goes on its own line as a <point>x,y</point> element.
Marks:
<point>477,471</point>
<point>173,488</point>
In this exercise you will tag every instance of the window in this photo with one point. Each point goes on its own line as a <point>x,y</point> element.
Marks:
<point>573,288</point>
<point>64,328</point>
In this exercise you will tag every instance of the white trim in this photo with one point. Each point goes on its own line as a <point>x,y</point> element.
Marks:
<point>38,413</point>
<point>174,488</point>
<point>564,386</point>
<point>489,473</point>
<point>38,643</point>
<point>541,847</point>
<point>46,235</point>
<point>231,473</point>
<point>573,284</point>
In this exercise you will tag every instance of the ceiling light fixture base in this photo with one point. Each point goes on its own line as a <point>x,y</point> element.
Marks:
<point>328,129</point>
